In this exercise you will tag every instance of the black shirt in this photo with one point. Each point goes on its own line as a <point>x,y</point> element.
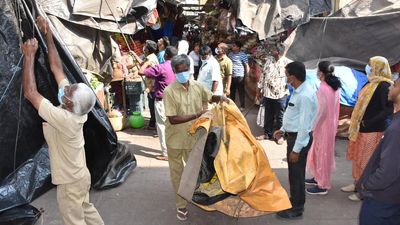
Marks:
<point>378,111</point>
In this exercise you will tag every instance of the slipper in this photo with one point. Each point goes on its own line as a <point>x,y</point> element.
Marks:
<point>161,157</point>
<point>262,137</point>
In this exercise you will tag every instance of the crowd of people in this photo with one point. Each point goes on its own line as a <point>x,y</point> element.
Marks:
<point>181,86</point>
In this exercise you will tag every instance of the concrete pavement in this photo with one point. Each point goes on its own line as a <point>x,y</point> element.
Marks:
<point>146,198</point>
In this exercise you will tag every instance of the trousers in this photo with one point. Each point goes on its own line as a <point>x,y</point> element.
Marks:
<point>160,124</point>
<point>73,203</point>
<point>273,117</point>
<point>176,157</point>
<point>238,84</point>
<point>374,212</point>
<point>297,173</point>
<point>151,99</point>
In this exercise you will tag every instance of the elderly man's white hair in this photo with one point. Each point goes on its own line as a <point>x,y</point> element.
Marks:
<point>83,99</point>
<point>183,47</point>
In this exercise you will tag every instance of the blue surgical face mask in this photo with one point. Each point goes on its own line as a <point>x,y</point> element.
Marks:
<point>183,77</point>
<point>60,95</point>
<point>395,76</point>
<point>368,70</point>
<point>204,61</point>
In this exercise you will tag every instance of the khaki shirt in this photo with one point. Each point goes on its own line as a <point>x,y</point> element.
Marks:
<point>63,132</point>
<point>225,64</point>
<point>181,101</point>
<point>152,58</point>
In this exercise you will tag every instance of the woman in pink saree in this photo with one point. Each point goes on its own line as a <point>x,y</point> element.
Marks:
<point>321,158</point>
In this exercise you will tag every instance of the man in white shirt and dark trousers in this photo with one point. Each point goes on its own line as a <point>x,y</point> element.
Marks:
<point>273,91</point>
<point>209,74</point>
<point>297,124</point>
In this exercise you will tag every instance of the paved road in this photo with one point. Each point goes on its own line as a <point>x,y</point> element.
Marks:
<point>146,198</point>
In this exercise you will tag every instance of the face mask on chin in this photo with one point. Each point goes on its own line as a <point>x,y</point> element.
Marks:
<point>183,77</point>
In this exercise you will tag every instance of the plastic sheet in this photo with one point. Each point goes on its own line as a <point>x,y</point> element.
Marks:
<point>22,136</point>
<point>209,190</point>
<point>23,215</point>
<point>27,182</point>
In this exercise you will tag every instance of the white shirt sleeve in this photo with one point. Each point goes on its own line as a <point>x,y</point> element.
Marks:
<point>191,70</point>
<point>216,72</point>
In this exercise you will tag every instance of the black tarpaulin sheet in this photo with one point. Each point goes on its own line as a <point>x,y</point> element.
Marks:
<point>358,8</point>
<point>87,30</point>
<point>320,6</point>
<point>22,215</point>
<point>271,17</point>
<point>22,137</point>
<point>210,193</point>
<point>64,10</point>
<point>348,39</point>
<point>27,182</point>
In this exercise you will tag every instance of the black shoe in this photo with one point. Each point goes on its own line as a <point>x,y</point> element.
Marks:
<point>311,182</point>
<point>290,214</point>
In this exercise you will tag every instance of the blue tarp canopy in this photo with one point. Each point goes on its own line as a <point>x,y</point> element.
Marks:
<point>352,81</point>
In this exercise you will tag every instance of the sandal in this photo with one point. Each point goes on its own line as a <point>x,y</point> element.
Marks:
<point>262,137</point>
<point>161,157</point>
<point>181,214</point>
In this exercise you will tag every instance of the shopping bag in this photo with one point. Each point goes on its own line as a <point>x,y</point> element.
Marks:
<point>260,116</point>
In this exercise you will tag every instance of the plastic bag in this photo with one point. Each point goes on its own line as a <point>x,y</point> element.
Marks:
<point>261,116</point>
<point>23,215</point>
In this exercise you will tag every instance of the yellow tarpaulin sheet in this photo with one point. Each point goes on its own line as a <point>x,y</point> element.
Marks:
<point>241,165</point>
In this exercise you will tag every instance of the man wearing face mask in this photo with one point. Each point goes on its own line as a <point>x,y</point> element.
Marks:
<point>183,101</point>
<point>225,64</point>
<point>297,125</point>
<point>163,76</point>
<point>63,131</point>
<point>209,74</point>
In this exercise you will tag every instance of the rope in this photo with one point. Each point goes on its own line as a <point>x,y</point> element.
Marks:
<point>33,17</point>
<point>17,135</point>
<point>20,90</point>
<point>18,14</point>
<point>324,23</point>
<point>119,27</point>
<point>9,83</point>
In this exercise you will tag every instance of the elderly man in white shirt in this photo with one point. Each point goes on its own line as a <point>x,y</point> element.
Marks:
<point>209,74</point>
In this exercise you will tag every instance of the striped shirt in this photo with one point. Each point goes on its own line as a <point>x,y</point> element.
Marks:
<point>238,60</point>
